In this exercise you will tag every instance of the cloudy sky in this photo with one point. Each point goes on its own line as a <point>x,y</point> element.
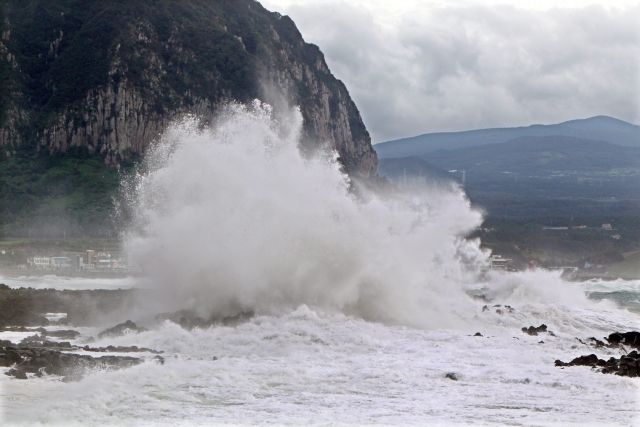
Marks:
<point>415,66</point>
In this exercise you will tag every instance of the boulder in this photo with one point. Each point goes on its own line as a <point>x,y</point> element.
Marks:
<point>631,339</point>
<point>451,376</point>
<point>11,357</point>
<point>628,366</point>
<point>17,373</point>
<point>127,327</point>
<point>532,330</point>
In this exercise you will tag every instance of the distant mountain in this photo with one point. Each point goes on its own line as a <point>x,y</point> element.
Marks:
<point>599,128</point>
<point>532,176</point>
<point>413,167</point>
<point>539,156</point>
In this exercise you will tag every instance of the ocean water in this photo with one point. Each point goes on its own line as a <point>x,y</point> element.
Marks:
<point>310,367</point>
<point>62,282</point>
<point>626,293</point>
<point>365,308</point>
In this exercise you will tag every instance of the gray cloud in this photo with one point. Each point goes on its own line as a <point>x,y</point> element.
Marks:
<point>457,68</point>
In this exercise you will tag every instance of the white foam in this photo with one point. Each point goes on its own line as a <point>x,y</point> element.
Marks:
<point>310,368</point>
<point>234,218</point>
<point>51,281</point>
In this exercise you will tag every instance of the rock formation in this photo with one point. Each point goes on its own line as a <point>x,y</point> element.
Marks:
<point>109,76</point>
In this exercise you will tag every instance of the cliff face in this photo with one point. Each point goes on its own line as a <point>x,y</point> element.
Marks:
<point>108,76</point>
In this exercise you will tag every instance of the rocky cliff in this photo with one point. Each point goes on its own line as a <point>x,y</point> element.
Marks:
<point>108,76</point>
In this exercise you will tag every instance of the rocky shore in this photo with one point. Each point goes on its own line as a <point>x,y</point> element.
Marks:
<point>627,365</point>
<point>36,356</point>
<point>52,347</point>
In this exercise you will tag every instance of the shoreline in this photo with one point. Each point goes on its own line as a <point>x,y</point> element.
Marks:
<point>21,272</point>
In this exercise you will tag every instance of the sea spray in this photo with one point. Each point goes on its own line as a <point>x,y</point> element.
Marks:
<point>233,218</point>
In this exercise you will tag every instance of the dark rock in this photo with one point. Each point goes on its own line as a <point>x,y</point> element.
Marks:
<point>451,376</point>
<point>532,330</point>
<point>114,349</point>
<point>214,358</point>
<point>184,323</point>
<point>127,327</point>
<point>189,320</point>
<point>485,308</point>
<point>631,339</point>
<point>628,366</point>
<point>32,339</point>
<point>478,334</point>
<point>597,343</point>
<point>589,360</point>
<point>237,319</point>
<point>12,356</point>
<point>17,373</point>
<point>71,366</point>
<point>159,360</point>
<point>39,362</point>
<point>499,311</point>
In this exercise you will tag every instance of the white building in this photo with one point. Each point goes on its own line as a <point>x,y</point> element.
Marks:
<point>60,263</point>
<point>40,263</point>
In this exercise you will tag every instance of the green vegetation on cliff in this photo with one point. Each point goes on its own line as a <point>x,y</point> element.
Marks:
<point>68,193</point>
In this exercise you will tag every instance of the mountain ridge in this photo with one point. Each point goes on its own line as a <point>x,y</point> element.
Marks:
<point>603,128</point>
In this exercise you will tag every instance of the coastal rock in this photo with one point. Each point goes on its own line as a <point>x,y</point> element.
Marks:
<point>626,366</point>
<point>127,327</point>
<point>532,330</point>
<point>189,320</point>
<point>71,366</point>
<point>12,357</point>
<point>631,339</point>
<point>17,373</point>
<point>119,349</point>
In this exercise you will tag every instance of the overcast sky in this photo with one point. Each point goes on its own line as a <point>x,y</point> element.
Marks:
<point>415,66</point>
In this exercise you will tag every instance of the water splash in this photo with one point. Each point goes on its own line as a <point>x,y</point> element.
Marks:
<point>233,218</point>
